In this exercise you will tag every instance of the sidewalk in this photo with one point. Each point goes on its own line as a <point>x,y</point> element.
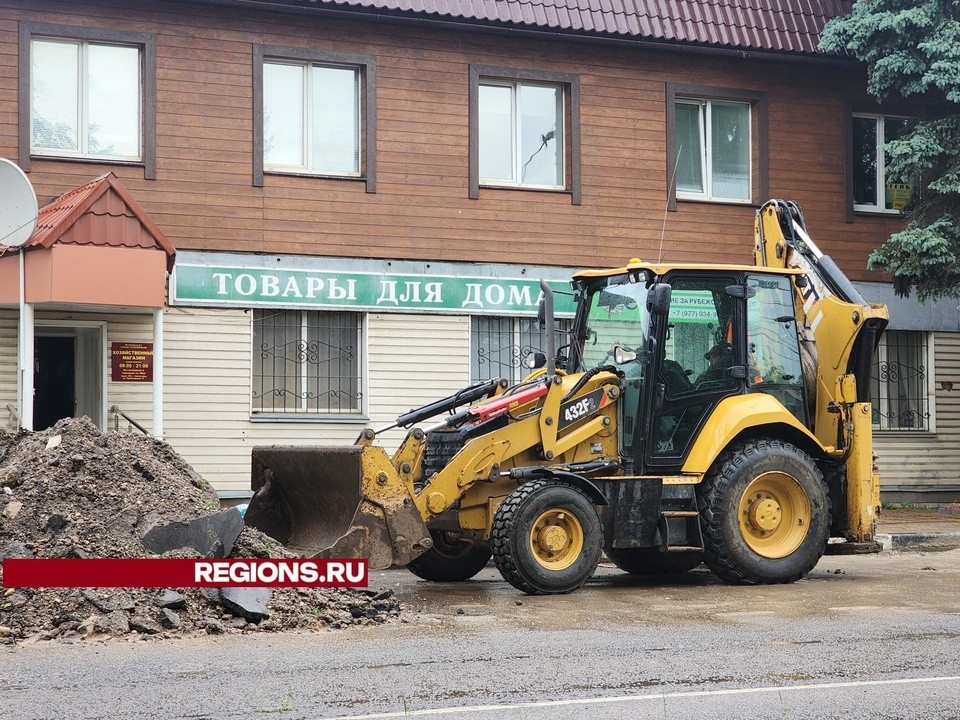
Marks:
<point>918,528</point>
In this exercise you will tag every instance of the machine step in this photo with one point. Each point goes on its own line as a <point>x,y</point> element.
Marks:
<point>680,531</point>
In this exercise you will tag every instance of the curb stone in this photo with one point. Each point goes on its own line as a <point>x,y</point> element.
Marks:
<point>916,541</point>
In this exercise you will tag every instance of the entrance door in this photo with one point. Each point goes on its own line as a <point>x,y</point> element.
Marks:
<point>54,380</point>
<point>68,373</point>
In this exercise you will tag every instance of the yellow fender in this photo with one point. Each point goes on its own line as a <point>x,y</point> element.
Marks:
<point>730,418</point>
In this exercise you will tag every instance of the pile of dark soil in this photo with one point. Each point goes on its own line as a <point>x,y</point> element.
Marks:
<point>73,492</point>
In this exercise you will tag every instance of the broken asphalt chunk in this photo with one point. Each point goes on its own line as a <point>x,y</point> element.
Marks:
<point>16,550</point>
<point>173,600</point>
<point>144,625</point>
<point>248,603</point>
<point>211,536</point>
<point>169,619</point>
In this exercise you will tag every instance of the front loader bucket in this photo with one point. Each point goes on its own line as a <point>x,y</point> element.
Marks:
<point>335,502</point>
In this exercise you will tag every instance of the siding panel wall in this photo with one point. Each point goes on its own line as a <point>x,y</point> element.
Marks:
<point>414,360</point>
<point>8,368</point>
<point>207,393</point>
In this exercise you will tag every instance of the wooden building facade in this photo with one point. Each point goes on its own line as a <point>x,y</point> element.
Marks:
<point>295,153</point>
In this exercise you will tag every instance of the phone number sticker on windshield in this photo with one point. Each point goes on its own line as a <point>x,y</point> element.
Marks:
<point>581,407</point>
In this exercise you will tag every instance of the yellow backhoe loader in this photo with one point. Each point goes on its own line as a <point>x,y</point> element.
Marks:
<point>699,413</point>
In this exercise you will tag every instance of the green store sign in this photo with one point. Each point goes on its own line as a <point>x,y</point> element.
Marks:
<point>261,287</point>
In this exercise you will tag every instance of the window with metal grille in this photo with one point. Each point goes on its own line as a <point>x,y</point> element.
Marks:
<point>307,362</point>
<point>901,394</point>
<point>498,345</point>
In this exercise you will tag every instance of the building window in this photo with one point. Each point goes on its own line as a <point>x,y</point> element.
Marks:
<point>307,362</point>
<point>315,114</point>
<point>901,394</point>
<point>498,345</point>
<point>524,131</point>
<point>87,94</point>
<point>85,99</point>
<point>872,189</point>
<point>713,150</point>
<point>716,145</point>
<point>311,118</point>
<point>521,134</point>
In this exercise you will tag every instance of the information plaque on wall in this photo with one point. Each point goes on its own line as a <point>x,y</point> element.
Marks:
<point>131,362</point>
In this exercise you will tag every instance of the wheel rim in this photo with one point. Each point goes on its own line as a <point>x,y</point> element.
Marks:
<point>774,515</point>
<point>556,539</point>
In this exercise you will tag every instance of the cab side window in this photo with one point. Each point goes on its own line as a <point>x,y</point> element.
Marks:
<point>773,347</point>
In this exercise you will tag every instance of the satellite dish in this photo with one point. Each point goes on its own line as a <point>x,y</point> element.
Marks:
<point>18,205</point>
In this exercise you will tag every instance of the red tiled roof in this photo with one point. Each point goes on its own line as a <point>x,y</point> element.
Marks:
<point>102,212</point>
<point>791,26</point>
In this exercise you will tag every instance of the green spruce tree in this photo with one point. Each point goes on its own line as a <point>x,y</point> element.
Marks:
<point>912,48</point>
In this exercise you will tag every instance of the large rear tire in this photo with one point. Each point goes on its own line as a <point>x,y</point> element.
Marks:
<point>765,514</point>
<point>650,561</point>
<point>451,559</point>
<point>547,538</point>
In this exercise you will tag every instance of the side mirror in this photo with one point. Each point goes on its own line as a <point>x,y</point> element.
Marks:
<point>623,355</point>
<point>542,313</point>
<point>658,299</point>
<point>535,360</point>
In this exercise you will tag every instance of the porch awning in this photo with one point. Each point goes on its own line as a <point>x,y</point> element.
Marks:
<point>94,245</point>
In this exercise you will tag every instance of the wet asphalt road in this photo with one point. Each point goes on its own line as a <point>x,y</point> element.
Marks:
<point>862,637</point>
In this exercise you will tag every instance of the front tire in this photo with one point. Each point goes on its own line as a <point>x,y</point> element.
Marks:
<point>547,538</point>
<point>765,514</point>
<point>650,561</point>
<point>450,559</point>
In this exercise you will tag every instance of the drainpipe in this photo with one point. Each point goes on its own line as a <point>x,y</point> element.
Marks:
<point>158,373</point>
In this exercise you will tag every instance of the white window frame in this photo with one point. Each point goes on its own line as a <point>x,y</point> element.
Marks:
<point>706,157</point>
<point>515,131</point>
<point>884,424</point>
<point>307,124</point>
<point>303,414</point>
<point>83,129</point>
<point>881,164</point>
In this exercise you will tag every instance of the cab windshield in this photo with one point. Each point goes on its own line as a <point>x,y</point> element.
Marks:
<point>616,315</point>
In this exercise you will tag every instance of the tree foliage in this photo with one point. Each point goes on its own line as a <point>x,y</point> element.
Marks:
<point>912,48</point>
